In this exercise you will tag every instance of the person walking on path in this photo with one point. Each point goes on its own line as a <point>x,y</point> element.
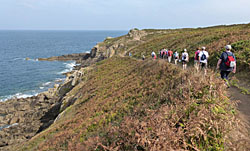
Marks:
<point>185,59</point>
<point>153,54</point>
<point>170,54</point>
<point>143,57</point>
<point>165,54</point>
<point>162,53</point>
<point>203,57</point>
<point>176,57</point>
<point>227,64</point>
<point>196,59</point>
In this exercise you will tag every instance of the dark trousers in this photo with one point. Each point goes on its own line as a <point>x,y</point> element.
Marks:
<point>224,74</point>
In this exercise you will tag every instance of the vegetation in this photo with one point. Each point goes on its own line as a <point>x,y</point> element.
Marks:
<point>213,38</point>
<point>128,104</point>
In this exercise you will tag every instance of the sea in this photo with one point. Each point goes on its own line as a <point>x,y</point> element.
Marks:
<point>21,77</point>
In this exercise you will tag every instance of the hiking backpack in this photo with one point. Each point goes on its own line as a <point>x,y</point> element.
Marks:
<point>170,53</point>
<point>197,56</point>
<point>230,62</point>
<point>203,57</point>
<point>184,57</point>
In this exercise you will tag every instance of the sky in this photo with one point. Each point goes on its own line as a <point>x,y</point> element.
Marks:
<point>120,14</point>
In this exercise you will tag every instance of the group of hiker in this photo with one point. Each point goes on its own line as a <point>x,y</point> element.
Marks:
<point>226,63</point>
<point>200,59</point>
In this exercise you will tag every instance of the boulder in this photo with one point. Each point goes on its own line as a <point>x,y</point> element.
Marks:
<point>136,34</point>
<point>65,88</point>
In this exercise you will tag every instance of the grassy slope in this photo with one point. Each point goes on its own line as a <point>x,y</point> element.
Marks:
<point>214,38</point>
<point>127,104</point>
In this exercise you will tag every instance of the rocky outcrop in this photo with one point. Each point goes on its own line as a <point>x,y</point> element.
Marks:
<point>76,56</point>
<point>21,119</point>
<point>136,34</point>
<point>117,46</point>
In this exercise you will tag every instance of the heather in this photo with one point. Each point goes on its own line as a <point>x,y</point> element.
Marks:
<point>128,104</point>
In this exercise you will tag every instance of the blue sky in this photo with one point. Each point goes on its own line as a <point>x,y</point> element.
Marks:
<point>120,14</point>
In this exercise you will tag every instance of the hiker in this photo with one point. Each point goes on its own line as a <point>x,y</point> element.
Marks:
<point>143,57</point>
<point>162,53</point>
<point>176,57</point>
<point>170,54</point>
<point>166,54</point>
<point>130,54</point>
<point>227,63</point>
<point>184,59</point>
<point>153,55</point>
<point>196,59</point>
<point>203,56</point>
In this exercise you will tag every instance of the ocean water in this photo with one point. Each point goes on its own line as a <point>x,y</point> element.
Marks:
<point>23,78</point>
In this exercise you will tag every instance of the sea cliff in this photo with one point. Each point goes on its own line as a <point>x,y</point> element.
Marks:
<point>113,102</point>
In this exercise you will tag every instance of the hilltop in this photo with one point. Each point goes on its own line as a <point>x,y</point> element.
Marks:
<point>145,41</point>
<point>114,102</point>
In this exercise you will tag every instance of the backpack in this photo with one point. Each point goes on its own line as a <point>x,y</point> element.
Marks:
<point>184,57</point>
<point>197,56</point>
<point>169,53</point>
<point>203,57</point>
<point>175,55</point>
<point>230,62</point>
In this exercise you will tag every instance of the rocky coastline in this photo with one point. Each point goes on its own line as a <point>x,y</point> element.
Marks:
<point>23,118</point>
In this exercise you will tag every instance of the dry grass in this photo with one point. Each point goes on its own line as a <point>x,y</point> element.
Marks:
<point>128,104</point>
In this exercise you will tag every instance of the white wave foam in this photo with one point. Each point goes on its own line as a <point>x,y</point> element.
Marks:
<point>18,96</point>
<point>58,80</point>
<point>65,71</point>
<point>18,59</point>
<point>15,124</point>
<point>41,88</point>
<point>46,84</point>
<point>21,95</point>
<point>8,126</point>
<point>69,67</point>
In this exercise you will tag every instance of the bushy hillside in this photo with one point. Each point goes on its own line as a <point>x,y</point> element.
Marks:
<point>127,104</point>
<point>214,38</point>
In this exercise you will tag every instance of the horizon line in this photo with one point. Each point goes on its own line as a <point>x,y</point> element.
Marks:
<point>63,30</point>
<point>158,28</point>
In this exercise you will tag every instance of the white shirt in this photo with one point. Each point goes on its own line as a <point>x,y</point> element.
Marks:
<point>184,54</point>
<point>153,53</point>
<point>205,53</point>
<point>176,54</point>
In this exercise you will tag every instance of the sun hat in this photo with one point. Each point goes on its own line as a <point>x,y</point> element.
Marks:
<point>228,47</point>
<point>203,48</point>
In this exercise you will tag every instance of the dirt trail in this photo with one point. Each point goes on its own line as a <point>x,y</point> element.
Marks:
<point>244,105</point>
